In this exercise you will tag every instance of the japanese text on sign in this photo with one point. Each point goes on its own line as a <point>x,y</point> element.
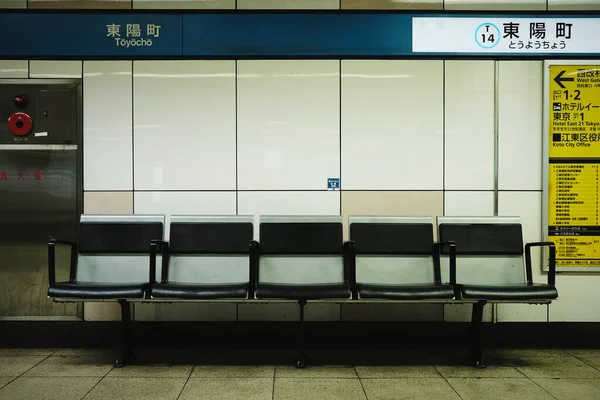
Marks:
<point>498,35</point>
<point>575,112</point>
<point>20,176</point>
<point>131,35</point>
<point>537,38</point>
<point>574,170</point>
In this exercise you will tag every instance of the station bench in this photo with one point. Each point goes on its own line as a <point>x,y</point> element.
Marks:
<point>477,260</point>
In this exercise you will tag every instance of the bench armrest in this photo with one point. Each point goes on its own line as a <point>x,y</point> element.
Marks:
<point>350,267</point>
<point>52,259</point>
<point>254,254</point>
<point>162,247</point>
<point>437,252</point>
<point>552,261</point>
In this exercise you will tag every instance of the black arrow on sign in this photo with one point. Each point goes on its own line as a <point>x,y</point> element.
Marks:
<point>559,79</point>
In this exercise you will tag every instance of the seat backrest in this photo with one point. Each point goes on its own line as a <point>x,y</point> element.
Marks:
<point>116,248</point>
<point>301,250</point>
<point>393,250</point>
<point>489,250</point>
<point>210,249</point>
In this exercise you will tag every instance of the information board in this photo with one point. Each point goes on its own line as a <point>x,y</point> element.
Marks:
<point>574,164</point>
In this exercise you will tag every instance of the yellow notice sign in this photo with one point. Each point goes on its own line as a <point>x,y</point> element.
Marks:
<point>573,194</point>
<point>574,111</point>
<point>574,169</point>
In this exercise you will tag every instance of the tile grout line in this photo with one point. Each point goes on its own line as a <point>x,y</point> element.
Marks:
<point>97,383</point>
<point>24,372</point>
<point>443,307</point>
<point>340,140</point>
<point>237,159</point>
<point>448,382</point>
<point>363,388</point>
<point>133,143</point>
<point>273,387</point>
<point>535,383</point>
<point>186,382</point>
<point>583,360</point>
<point>36,364</point>
<point>361,382</point>
<point>307,190</point>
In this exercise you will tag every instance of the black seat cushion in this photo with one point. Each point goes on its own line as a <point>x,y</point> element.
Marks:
<point>91,290</point>
<point>302,292</point>
<point>200,291</point>
<point>509,292</point>
<point>406,292</point>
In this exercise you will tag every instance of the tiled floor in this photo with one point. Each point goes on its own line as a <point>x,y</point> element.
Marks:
<point>88,374</point>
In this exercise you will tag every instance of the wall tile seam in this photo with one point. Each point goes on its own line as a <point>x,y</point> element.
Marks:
<point>445,7</point>
<point>182,191</point>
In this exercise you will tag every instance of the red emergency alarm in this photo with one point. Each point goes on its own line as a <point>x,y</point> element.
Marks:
<point>20,124</point>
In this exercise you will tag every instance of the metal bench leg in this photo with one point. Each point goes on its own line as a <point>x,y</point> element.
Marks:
<point>126,349</point>
<point>476,350</point>
<point>302,360</point>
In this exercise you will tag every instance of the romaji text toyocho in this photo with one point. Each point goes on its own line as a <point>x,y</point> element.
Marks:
<point>133,35</point>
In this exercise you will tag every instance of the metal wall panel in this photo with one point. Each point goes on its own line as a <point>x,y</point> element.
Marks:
<point>554,5</point>
<point>13,4</point>
<point>81,4</point>
<point>184,4</point>
<point>40,193</point>
<point>392,4</point>
<point>508,5</point>
<point>288,4</point>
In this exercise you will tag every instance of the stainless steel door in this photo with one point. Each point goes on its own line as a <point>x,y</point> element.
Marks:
<point>39,200</point>
<point>40,195</point>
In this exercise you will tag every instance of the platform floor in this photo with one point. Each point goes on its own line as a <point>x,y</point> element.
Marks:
<point>253,374</point>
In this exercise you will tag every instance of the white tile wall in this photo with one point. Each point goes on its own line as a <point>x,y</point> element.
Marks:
<point>184,203</point>
<point>14,68</point>
<point>469,127</point>
<point>288,4</point>
<point>287,311</point>
<point>509,5</point>
<point>573,5</point>
<point>13,4</point>
<point>462,312</point>
<point>184,4</point>
<point>288,124</point>
<point>527,206</point>
<point>392,312</point>
<point>392,4</point>
<point>392,122</point>
<point>520,125</point>
<point>185,312</point>
<point>55,69</point>
<point>288,203</point>
<point>577,301</point>
<point>107,125</point>
<point>184,125</point>
<point>273,311</point>
<point>467,204</point>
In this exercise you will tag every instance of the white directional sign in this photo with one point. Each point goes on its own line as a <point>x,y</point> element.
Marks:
<point>506,35</point>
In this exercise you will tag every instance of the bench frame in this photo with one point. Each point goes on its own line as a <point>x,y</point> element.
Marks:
<point>475,351</point>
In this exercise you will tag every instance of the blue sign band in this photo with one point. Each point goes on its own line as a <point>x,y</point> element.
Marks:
<point>90,35</point>
<point>128,35</point>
